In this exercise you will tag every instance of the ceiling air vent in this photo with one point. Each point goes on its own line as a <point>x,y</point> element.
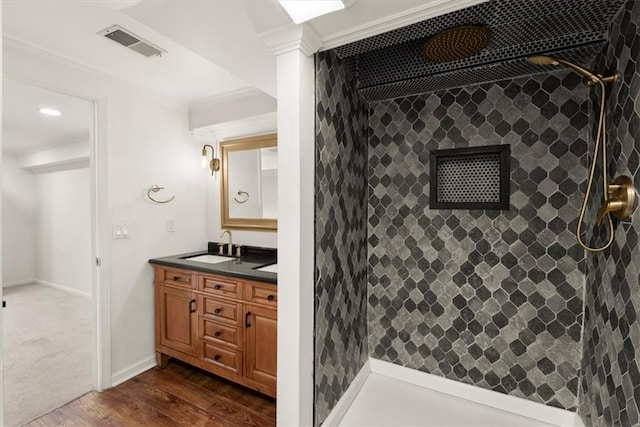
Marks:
<point>128,39</point>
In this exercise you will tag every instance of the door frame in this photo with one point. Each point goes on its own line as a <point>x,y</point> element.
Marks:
<point>100,235</point>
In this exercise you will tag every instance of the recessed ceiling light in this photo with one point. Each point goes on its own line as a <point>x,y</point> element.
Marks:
<point>50,112</point>
<point>304,10</point>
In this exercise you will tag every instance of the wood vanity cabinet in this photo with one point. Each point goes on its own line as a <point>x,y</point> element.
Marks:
<point>221,324</point>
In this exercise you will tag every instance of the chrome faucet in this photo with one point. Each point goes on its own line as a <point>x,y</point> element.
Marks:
<point>230,247</point>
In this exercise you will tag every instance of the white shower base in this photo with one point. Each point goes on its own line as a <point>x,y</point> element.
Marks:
<point>384,395</point>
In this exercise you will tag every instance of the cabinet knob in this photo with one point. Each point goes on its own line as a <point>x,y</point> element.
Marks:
<point>217,357</point>
<point>175,278</point>
<point>218,286</point>
<point>271,297</point>
<point>217,310</point>
<point>217,334</point>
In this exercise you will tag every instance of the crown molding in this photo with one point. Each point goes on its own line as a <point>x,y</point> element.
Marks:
<point>421,13</point>
<point>250,126</point>
<point>292,37</point>
<point>223,98</point>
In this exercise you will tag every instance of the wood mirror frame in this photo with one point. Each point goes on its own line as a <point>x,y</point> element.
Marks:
<point>226,147</point>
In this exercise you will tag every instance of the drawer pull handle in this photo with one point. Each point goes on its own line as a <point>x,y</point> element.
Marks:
<point>175,278</point>
<point>246,319</point>
<point>217,310</point>
<point>217,334</point>
<point>192,306</point>
<point>271,297</point>
<point>217,357</point>
<point>218,286</point>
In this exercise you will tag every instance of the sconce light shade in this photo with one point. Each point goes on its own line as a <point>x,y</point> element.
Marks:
<point>214,164</point>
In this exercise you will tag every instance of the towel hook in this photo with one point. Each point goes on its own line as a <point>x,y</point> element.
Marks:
<point>242,193</point>
<point>155,189</point>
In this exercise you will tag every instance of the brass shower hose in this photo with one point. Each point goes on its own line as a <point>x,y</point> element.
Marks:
<point>601,136</point>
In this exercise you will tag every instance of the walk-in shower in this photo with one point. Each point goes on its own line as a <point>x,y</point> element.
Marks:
<point>619,195</point>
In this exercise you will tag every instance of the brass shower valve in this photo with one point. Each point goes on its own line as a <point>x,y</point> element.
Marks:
<point>620,201</point>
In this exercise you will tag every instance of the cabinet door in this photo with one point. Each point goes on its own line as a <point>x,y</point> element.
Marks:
<point>178,319</point>
<point>261,341</point>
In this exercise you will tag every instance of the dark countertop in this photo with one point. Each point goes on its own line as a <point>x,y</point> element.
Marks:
<point>243,268</point>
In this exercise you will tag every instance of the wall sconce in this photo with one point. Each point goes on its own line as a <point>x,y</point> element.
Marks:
<point>214,164</point>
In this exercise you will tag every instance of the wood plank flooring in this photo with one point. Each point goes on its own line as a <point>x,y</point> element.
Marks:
<point>178,395</point>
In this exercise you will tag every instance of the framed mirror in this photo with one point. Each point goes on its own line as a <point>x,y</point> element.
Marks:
<point>250,183</point>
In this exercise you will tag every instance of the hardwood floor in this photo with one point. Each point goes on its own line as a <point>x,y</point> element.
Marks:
<point>178,395</point>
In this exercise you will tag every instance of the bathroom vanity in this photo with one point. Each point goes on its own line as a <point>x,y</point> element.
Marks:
<point>219,313</point>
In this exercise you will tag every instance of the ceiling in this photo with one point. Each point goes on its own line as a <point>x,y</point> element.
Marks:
<point>392,65</point>
<point>25,129</point>
<point>69,28</point>
<point>214,47</point>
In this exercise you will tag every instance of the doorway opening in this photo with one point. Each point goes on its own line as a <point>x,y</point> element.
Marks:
<point>49,243</point>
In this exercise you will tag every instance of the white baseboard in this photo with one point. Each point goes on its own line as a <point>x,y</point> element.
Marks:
<point>63,288</point>
<point>348,397</point>
<point>503,402</point>
<point>18,283</point>
<point>133,370</point>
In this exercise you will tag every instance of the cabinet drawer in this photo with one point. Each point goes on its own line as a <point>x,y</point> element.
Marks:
<point>217,285</point>
<point>261,293</point>
<point>220,310</point>
<point>224,358</point>
<point>175,277</point>
<point>220,333</point>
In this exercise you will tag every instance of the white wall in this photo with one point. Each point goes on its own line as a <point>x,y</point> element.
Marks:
<point>63,229</point>
<point>148,143</point>
<point>18,219</point>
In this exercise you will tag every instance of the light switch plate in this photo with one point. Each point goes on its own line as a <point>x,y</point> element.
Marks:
<point>120,230</point>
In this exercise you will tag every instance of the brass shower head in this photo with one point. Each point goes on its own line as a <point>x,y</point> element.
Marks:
<point>457,43</point>
<point>592,78</point>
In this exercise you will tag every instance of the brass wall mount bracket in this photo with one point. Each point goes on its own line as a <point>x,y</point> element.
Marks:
<point>620,201</point>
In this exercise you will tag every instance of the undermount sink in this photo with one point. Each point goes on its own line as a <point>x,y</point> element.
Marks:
<point>211,259</point>
<point>271,268</point>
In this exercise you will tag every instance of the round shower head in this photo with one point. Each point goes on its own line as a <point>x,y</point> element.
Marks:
<point>457,43</point>
<point>542,60</point>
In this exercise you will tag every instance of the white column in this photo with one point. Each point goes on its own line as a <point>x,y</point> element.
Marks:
<point>294,47</point>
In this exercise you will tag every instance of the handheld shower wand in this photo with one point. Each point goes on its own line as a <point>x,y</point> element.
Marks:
<point>619,197</point>
<point>592,78</point>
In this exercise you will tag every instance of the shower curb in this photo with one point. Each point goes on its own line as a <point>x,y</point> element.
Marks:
<point>515,405</point>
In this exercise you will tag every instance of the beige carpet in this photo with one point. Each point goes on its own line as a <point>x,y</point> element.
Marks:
<point>47,351</point>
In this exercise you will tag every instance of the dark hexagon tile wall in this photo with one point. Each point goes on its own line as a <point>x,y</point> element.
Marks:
<point>610,391</point>
<point>341,232</point>
<point>489,298</point>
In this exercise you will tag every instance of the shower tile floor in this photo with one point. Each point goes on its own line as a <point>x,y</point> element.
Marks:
<point>385,401</point>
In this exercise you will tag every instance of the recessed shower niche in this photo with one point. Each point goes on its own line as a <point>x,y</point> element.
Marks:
<point>470,178</point>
